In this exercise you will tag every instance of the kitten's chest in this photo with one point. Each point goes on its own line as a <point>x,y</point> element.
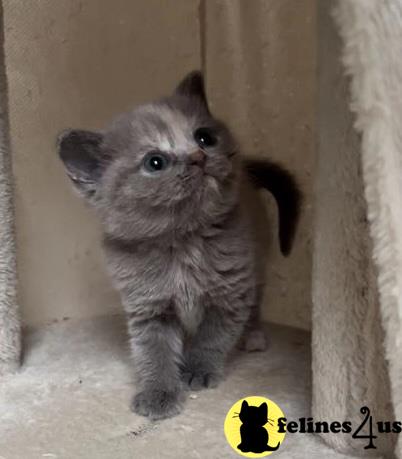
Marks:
<point>200,275</point>
<point>189,273</point>
<point>190,268</point>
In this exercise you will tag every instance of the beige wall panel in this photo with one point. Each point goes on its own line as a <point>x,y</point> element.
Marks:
<point>76,63</point>
<point>260,63</point>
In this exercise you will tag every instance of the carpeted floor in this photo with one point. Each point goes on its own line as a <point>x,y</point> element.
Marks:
<point>71,399</point>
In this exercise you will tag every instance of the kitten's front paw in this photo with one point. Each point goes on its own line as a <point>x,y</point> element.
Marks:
<point>157,403</point>
<point>201,379</point>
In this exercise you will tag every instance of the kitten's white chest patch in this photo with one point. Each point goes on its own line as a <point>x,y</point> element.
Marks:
<point>188,286</point>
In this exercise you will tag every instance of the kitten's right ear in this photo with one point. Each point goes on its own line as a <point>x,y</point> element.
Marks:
<point>83,158</point>
<point>193,86</point>
<point>244,404</point>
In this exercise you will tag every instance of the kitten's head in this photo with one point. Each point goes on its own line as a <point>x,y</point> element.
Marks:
<point>165,166</point>
<point>254,415</point>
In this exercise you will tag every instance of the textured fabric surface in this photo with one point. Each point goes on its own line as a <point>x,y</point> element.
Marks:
<point>372,37</point>
<point>9,312</point>
<point>71,399</point>
<point>349,368</point>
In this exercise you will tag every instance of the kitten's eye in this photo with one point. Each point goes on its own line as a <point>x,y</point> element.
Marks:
<point>205,137</point>
<point>155,162</point>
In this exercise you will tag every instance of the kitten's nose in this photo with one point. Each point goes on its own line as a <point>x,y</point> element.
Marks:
<point>197,158</point>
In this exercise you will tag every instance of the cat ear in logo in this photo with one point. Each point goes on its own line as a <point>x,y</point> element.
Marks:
<point>83,157</point>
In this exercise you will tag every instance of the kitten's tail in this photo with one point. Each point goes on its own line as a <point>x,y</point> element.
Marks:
<point>282,185</point>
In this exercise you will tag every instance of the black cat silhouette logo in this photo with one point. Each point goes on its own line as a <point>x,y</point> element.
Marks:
<point>251,427</point>
<point>254,436</point>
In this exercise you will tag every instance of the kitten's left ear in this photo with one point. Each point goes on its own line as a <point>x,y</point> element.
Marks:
<point>263,408</point>
<point>193,86</point>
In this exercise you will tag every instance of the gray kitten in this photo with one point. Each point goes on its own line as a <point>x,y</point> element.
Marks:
<point>164,181</point>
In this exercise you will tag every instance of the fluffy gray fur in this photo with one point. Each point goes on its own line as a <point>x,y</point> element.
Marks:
<point>179,245</point>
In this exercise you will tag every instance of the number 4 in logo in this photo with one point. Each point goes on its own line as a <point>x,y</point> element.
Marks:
<point>368,419</point>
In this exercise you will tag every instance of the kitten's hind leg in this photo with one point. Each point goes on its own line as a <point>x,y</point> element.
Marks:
<point>205,358</point>
<point>254,340</point>
<point>254,337</point>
